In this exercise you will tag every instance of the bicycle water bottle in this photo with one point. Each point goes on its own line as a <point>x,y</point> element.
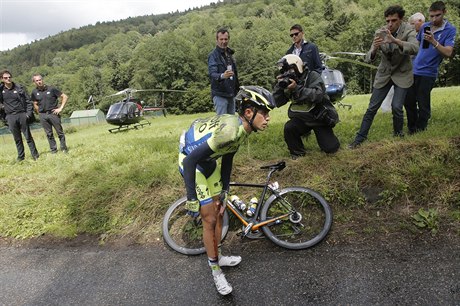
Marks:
<point>252,207</point>
<point>235,200</point>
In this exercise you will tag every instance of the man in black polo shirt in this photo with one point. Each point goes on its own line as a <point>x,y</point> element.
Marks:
<point>45,100</point>
<point>18,109</point>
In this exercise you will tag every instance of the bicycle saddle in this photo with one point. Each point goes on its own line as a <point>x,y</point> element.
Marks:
<point>279,166</point>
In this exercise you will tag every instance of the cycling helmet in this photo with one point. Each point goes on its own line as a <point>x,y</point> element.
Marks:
<point>255,96</point>
<point>291,61</point>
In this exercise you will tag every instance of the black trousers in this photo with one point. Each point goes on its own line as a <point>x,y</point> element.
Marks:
<point>17,124</point>
<point>295,128</point>
<point>48,121</point>
<point>418,103</point>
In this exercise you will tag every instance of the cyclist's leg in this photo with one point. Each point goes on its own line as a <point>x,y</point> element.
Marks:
<point>215,188</point>
<point>208,188</point>
<point>208,191</point>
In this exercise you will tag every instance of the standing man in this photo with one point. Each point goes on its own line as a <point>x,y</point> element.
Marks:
<point>395,43</point>
<point>223,75</point>
<point>207,181</point>
<point>19,110</point>
<point>307,51</point>
<point>417,21</point>
<point>45,99</point>
<point>440,37</point>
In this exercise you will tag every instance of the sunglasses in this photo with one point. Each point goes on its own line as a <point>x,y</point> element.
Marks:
<point>294,34</point>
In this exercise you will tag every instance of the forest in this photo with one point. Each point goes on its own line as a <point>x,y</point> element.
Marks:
<point>170,51</point>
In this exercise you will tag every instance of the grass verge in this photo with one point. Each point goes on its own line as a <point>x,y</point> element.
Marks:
<point>118,186</point>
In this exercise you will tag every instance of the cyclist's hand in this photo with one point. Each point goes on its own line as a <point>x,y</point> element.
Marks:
<point>193,208</point>
<point>223,201</point>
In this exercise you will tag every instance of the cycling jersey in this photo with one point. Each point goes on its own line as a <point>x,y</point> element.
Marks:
<point>224,134</point>
<point>204,142</point>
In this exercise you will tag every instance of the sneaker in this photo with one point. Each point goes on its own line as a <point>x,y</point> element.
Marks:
<point>229,261</point>
<point>223,287</point>
<point>354,144</point>
<point>297,156</point>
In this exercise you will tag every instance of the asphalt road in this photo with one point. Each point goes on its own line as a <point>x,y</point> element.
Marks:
<point>352,274</point>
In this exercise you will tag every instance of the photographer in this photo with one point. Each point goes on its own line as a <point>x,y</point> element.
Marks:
<point>310,107</point>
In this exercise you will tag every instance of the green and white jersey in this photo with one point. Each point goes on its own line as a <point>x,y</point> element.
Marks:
<point>223,133</point>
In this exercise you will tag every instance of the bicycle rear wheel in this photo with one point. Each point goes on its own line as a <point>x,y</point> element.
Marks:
<point>308,222</point>
<point>184,233</point>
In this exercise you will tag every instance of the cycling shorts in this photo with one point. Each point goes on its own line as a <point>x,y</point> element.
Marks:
<point>208,180</point>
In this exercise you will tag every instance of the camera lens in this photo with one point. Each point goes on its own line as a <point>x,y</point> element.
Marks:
<point>284,82</point>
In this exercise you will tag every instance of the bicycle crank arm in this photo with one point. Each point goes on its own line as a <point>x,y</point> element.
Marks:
<point>247,229</point>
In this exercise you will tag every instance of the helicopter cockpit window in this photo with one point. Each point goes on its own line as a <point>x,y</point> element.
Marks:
<point>332,77</point>
<point>118,108</point>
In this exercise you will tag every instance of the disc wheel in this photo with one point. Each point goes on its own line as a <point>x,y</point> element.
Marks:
<point>184,233</point>
<point>308,220</point>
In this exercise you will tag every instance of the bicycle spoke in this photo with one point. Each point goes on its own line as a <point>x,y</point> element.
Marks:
<point>185,230</point>
<point>184,233</point>
<point>307,224</point>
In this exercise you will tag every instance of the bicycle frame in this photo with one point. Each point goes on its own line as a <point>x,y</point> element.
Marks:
<point>252,223</point>
<point>303,215</point>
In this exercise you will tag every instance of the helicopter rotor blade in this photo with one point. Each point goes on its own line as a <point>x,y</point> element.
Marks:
<point>350,53</point>
<point>341,59</point>
<point>122,92</point>
<point>129,91</point>
<point>160,90</point>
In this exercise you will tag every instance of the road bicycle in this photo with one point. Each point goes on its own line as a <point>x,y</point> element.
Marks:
<point>293,218</point>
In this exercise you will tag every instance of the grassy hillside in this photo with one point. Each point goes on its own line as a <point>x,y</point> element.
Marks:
<point>119,185</point>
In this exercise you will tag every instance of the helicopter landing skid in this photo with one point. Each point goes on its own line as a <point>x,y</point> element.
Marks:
<point>129,127</point>
<point>340,104</point>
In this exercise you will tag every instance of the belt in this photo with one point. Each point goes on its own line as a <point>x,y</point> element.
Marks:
<point>47,112</point>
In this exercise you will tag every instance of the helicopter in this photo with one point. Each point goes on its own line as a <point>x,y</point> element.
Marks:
<point>333,79</point>
<point>129,112</point>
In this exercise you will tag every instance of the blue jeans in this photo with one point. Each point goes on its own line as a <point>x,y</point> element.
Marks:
<point>224,105</point>
<point>418,103</point>
<point>377,97</point>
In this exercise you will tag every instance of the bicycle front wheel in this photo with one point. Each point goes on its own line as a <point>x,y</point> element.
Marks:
<point>184,233</point>
<point>308,218</point>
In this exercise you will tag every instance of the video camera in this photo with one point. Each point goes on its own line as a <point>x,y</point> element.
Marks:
<point>288,71</point>
<point>284,79</point>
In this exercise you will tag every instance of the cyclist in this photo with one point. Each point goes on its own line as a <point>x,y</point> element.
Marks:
<point>206,183</point>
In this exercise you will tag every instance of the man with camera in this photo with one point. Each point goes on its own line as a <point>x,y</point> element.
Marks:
<point>310,109</point>
<point>395,43</point>
<point>437,39</point>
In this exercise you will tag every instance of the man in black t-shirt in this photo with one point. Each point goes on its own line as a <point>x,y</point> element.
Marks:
<point>45,99</point>
<point>18,110</point>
